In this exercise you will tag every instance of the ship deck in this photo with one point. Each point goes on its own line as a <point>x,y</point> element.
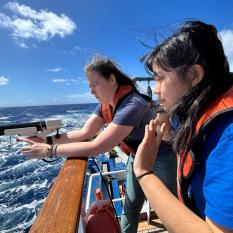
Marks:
<point>154,226</point>
<point>62,208</point>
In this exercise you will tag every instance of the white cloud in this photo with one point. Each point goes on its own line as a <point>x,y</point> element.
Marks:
<point>3,80</point>
<point>42,25</point>
<point>56,69</point>
<point>227,40</point>
<point>75,98</point>
<point>81,98</point>
<point>22,44</point>
<point>77,49</point>
<point>69,81</point>
<point>60,80</point>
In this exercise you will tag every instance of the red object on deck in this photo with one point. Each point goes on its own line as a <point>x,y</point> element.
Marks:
<point>101,217</point>
<point>98,195</point>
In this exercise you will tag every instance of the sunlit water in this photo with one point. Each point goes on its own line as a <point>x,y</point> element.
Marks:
<point>24,184</point>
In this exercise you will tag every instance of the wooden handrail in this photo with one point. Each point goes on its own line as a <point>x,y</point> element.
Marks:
<point>61,210</point>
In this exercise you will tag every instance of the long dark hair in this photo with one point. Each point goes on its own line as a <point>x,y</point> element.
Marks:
<point>194,42</point>
<point>105,67</point>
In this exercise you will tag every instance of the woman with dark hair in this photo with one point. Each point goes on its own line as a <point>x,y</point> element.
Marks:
<point>195,86</point>
<point>125,112</point>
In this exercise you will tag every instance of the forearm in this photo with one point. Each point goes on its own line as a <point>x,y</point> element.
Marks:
<point>81,149</point>
<point>70,137</point>
<point>175,216</point>
<point>69,147</point>
<point>91,128</point>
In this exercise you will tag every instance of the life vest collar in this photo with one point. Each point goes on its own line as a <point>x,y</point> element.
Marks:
<point>108,112</point>
<point>221,105</point>
<point>186,159</point>
<point>121,92</point>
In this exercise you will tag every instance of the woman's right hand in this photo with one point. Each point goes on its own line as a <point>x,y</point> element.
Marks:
<point>34,150</point>
<point>37,139</point>
<point>148,149</point>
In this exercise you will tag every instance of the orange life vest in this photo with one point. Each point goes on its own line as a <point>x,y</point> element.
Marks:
<point>188,159</point>
<point>108,113</point>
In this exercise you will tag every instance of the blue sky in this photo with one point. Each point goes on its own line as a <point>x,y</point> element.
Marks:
<point>45,43</point>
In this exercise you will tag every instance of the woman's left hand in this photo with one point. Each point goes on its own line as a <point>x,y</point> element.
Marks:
<point>148,149</point>
<point>34,150</point>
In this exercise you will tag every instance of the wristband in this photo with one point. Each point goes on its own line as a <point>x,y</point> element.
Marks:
<point>49,140</point>
<point>144,174</point>
<point>51,152</point>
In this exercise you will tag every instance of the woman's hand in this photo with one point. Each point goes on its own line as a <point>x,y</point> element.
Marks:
<point>148,149</point>
<point>34,150</point>
<point>37,139</point>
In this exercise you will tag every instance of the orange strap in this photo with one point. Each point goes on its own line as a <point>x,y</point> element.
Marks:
<point>107,112</point>
<point>221,105</point>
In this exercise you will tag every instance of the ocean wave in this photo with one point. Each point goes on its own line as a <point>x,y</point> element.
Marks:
<point>24,184</point>
<point>24,214</point>
<point>4,118</point>
<point>70,111</point>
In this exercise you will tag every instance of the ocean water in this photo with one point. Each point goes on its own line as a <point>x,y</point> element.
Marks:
<point>24,184</point>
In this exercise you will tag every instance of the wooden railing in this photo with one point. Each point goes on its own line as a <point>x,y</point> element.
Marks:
<point>61,210</point>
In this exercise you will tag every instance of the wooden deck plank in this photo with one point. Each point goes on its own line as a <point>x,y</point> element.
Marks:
<point>154,226</point>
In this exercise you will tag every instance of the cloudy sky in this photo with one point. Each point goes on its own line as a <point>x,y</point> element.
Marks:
<point>44,44</point>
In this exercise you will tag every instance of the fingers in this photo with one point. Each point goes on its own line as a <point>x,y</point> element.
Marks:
<point>160,131</point>
<point>37,139</point>
<point>154,133</point>
<point>146,135</point>
<point>29,141</point>
<point>150,131</point>
<point>163,127</point>
<point>147,150</point>
<point>26,150</point>
<point>35,151</point>
<point>152,127</point>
